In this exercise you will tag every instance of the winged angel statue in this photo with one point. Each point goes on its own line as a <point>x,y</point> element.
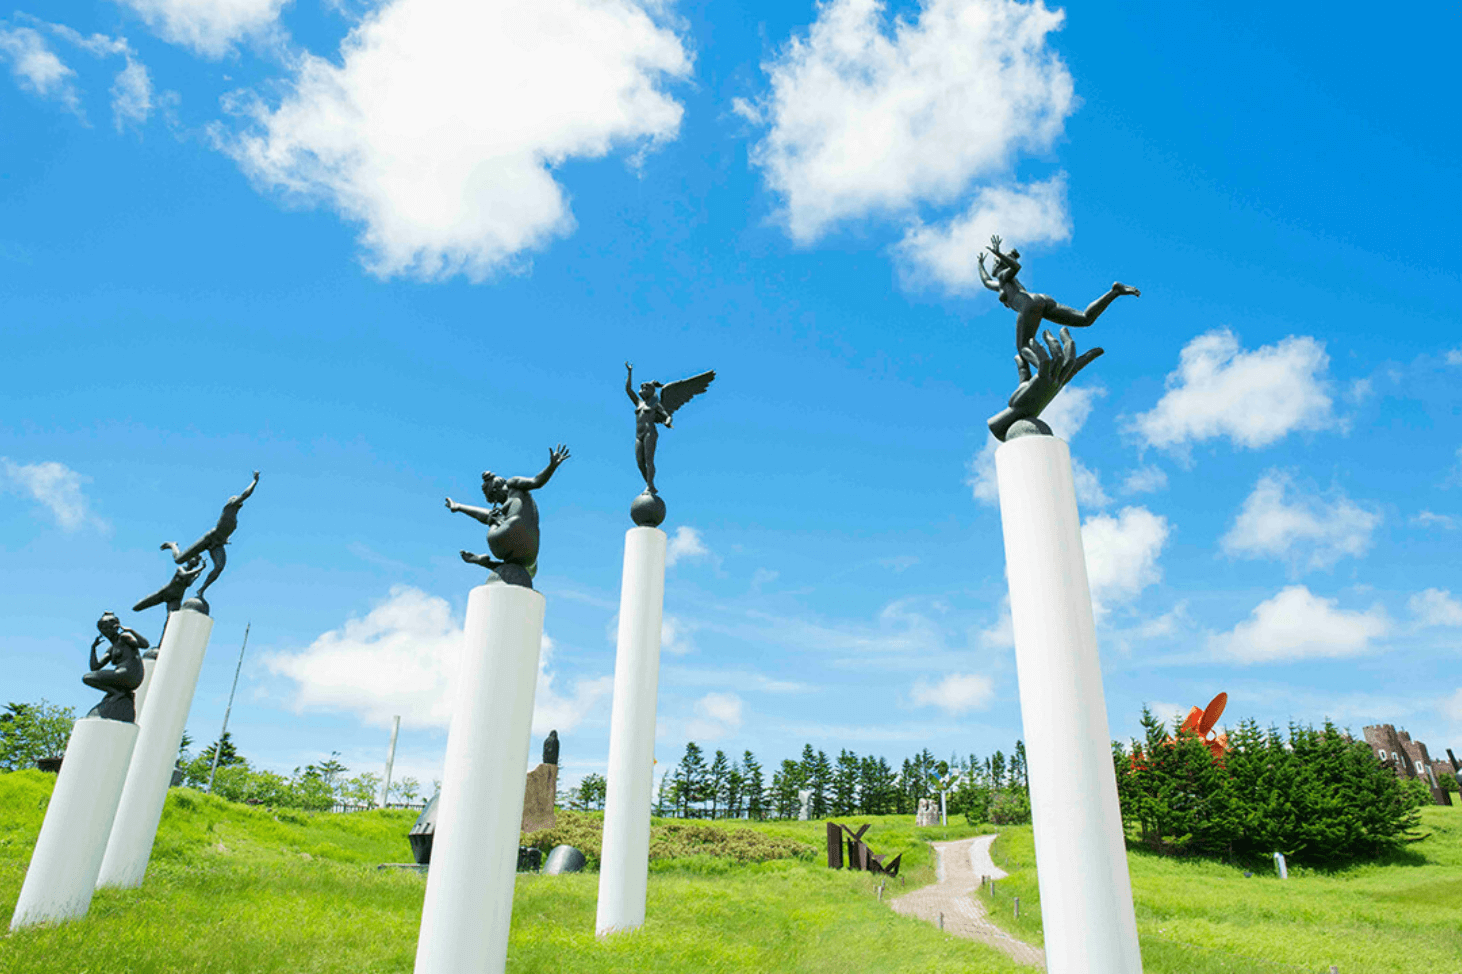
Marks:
<point>657,403</point>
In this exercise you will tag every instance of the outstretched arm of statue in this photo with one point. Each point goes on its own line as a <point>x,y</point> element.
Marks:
<point>250,489</point>
<point>556,456</point>
<point>483,514</point>
<point>985,277</point>
<point>629,385</point>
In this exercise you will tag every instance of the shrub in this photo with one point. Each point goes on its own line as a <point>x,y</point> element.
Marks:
<point>671,840</point>
<point>1011,807</point>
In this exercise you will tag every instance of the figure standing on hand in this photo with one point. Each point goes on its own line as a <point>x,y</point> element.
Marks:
<point>214,540</point>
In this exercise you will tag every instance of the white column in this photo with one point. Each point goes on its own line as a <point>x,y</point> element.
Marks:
<point>469,888</point>
<point>68,853</point>
<point>160,734</point>
<point>624,869</point>
<point>149,666</point>
<point>1081,860</point>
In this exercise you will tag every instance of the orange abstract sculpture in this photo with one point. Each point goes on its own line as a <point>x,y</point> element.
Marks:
<point>1200,722</point>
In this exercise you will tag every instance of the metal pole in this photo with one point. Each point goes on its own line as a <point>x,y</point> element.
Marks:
<point>390,760</point>
<point>218,748</point>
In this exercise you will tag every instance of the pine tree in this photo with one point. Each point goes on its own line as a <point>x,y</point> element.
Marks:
<point>732,792</point>
<point>821,785</point>
<point>755,788</point>
<point>690,779</point>
<point>845,784</point>
<point>716,780</point>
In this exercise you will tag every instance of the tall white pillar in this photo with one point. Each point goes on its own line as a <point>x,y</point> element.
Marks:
<point>149,666</point>
<point>624,869</point>
<point>68,853</point>
<point>1081,859</point>
<point>160,734</point>
<point>469,889</point>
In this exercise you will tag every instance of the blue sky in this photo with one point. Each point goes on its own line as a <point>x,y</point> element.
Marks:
<point>372,249</point>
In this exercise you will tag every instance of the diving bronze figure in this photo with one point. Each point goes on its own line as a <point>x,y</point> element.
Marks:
<point>214,539</point>
<point>512,522</point>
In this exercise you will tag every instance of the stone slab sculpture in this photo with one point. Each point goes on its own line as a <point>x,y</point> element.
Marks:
<point>928,813</point>
<point>512,522</point>
<point>213,542</point>
<point>655,404</point>
<point>118,672</point>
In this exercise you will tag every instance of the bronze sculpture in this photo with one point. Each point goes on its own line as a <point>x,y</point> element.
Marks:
<point>512,522</point>
<point>1056,363</point>
<point>172,593</point>
<point>214,539</point>
<point>656,403</point>
<point>118,673</point>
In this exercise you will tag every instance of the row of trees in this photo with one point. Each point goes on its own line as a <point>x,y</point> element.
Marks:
<point>989,789</point>
<point>1316,795</point>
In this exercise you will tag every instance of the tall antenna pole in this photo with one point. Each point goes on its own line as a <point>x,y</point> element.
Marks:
<point>390,760</point>
<point>218,748</point>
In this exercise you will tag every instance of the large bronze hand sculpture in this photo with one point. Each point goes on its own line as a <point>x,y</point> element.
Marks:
<point>1055,365</point>
<point>512,522</point>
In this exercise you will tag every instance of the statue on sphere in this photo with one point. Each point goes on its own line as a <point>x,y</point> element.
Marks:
<point>512,522</point>
<point>656,403</point>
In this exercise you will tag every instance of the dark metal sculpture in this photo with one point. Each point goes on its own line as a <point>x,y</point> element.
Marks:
<point>512,522</point>
<point>1057,363</point>
<point>213,540</point>
<point>859,855</point>
<point>550,748</point>
<point>172,594</point>
<point>118,673</point>
<point>656,403</point>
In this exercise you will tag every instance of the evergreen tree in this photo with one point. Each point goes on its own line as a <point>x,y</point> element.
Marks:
<point>845,784</point>
<point>821,785</point>
<point>755,788</point>
<point>786,782</point>
<point>997,770</point>
<point>716,780</point>
<point>690,779</point>
<point>732,792</point>
<point>1018,777</point>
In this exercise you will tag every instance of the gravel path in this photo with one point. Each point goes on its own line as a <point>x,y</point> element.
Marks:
<point>959,868</point>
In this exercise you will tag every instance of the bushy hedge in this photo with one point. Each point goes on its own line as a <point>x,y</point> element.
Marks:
<point>1318,796</point>
<point>671,840</point>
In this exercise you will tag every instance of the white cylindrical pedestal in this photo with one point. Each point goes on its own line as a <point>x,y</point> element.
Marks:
<point>149,667</point>
<point>160,733</point>
<point>1081,859</point>
<point>68,853</point>
<point>469,889</point>
<point>625,858</point>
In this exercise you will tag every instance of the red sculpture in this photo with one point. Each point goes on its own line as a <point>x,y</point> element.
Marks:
<point>1200,722</point>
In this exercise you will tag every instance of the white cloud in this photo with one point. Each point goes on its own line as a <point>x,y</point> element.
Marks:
<point>947,253</point>
<point>1001,633</point>
<point>1296,624</point>
<point>54,485</point>
<point>1435,607</point>
<point>1122,554</point>
<point>208,27</point>
<point>1298,526</point>
<point>1145,480</point>
<point>685,543</point>
<point>403,658</point>
<point>131,95</point>
<point>1066,415</point>
<point>1452,706</point>
<point>36,67</point>
<point>1454,356</point>
<point>956,693</point>
<point>1168,712</point>
<point>439,126</point>
<point>675,635</point>
<point>864,117</point>
<point>1254,398</point>
<point>1428,519</point>
<point>717,715</point>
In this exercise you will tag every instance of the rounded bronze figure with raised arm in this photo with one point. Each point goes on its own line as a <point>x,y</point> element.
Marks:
<point>512,522</point>
<point>214,540</point>
<point>656,403</point>
<point>1031,309</point>
<point>118,673</point>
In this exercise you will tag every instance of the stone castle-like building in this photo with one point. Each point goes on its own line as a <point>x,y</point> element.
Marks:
<point>1409,759</point>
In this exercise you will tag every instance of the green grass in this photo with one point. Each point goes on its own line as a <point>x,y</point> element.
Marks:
<point>1196,916</point>
<point>238,889</point>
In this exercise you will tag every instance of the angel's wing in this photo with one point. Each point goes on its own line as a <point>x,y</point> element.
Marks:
<point>677,394</point>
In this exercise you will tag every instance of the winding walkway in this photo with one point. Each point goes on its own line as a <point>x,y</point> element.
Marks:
<point>959,868</point>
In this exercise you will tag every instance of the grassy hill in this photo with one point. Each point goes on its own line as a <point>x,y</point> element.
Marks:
<point>239,889</point>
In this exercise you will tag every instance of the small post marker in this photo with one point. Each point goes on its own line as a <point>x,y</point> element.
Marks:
<point>1017,907</point>
<point>941,921</point>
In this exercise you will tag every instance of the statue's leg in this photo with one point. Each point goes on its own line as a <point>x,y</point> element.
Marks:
<point>1027,323</point>
<point>204,543</point>
<point>156,598</point>
<point>640,458</point>
<point>1062,315</point>
<point>650,440</point>
<point>219,559</point>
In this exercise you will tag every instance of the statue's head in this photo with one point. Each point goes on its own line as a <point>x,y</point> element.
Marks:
<point>647,389</point>
<point>1014,254</point>
<point>108,625</point>
<point>494,488</point>
<point>193,564</point>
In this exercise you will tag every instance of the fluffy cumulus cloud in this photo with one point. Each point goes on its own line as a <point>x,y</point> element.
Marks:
<point>1297,624</point>
<point>717,715</point>
<point>438,127</point>
<point>1066,415</point>
<point>403,658</point>
<point>208,27</point>
<point>131,95</point>
<point>1122,555</point>
<point>55,486</point>
<point>1435,607</point>
<point>1254,398</point>
<point>1145,480</point>
<point>1298,526</point>
<point>956,693</point>
<point>36,67</point>
<point>686,543</point>
<point>866,117</point>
